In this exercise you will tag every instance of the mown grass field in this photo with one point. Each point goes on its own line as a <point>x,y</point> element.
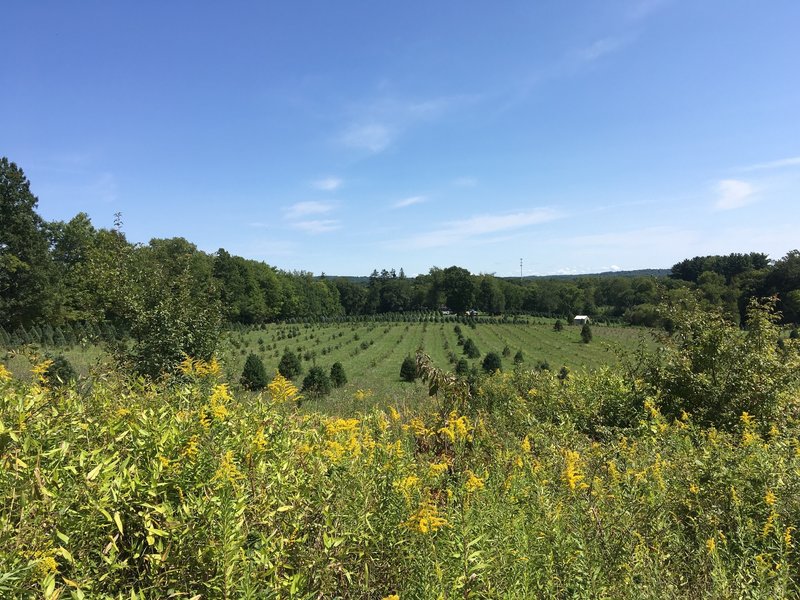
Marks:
<point>372,352</point>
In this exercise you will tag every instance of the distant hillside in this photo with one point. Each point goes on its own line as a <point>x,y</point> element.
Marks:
<point>634,273</point>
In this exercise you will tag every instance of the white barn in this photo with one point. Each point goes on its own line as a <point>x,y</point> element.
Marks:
<point>580,320</point>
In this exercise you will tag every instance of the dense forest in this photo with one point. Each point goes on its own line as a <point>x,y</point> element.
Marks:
<point>68,275</point>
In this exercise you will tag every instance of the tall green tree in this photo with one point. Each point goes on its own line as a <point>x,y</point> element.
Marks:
<point>26,293</point>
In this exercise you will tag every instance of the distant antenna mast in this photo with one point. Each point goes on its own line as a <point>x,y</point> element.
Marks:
<point>520,269</point>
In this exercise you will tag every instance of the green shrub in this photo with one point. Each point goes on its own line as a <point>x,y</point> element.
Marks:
<point>60,372</point>
<point>290,365</point>
<point>470,349</point>
<point>408,370</point>
<point>254,375</point>
<point>338,376</point>
<point>519,358</point>
<point>462,367</point>
<point>492,362</point>
<point>714,371</point>
<point>586,333</point>
<point>558,325</point>
<point>316,383</point>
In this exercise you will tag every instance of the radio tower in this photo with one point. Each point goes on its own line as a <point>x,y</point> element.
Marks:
<point>520,269</point>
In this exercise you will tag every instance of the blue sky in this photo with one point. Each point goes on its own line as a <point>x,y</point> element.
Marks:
<point>339,137</point>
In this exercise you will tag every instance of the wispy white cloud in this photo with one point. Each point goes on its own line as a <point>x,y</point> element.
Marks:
<point>374,137</point>
<point>793,161</point>
<point>602,47</point>
<point>641,9</point>
<point>465,182</point>
<point>376,124</point>
<point>303,209</point>
<point>454,232</point>
<point>329,184</point>
<point>733,193</point>
<point>409,201</point>
<point>317,226</point>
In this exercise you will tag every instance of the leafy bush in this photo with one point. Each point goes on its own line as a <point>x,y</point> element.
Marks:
<point>408,370</point>
<point>60,372</point>
<point>715,372</point>
<point>470,349</point>
<point>316,383</point>
<point>338,376</point>
<point>290,365</point>
<point>462,367</point>
<point>558,325</point>
<point>492,362</point>
<point>254,375</point>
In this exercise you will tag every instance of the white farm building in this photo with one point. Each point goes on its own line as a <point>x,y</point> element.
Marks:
<point>580,320</point>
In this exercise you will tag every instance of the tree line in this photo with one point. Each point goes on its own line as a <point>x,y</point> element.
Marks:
<point>58,274</point>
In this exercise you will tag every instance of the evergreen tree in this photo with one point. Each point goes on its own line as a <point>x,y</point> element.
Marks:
<point>558,325</point>
<point>59,373</point>
<point>492,362</point>
<point>254,375</point>
<point>519,358</point>
<point>408,370</point>
<point>470,349</point>
<point>338,376</point>
<point>586,333</point>
<point>462,367</point>
<point>317,383</point>
<point>290,365</point>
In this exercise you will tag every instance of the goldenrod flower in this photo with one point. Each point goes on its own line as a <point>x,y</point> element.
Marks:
<point>5,374</point>
<point>406,485</point>
<point>746,419</point>
<point>219,396</point>
<point>192,447</point>
<point>769,498</point>
<point>227,470</point>
<point>259,440</point>
<point>711,544</point>
<point>283,390</point>
<point>572,473</point>
<point>391,597</point>
<point>426,519</point>
<point>394,414</point>
<point>525,445</point>
<point>787,536</point>
<point>40,369</point>
<point>473,483</point>
<point>338,425</point>
<point>47,565</point>
<point>436,469</point>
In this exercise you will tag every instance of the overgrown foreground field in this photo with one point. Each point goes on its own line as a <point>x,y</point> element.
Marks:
<point>520,485</point>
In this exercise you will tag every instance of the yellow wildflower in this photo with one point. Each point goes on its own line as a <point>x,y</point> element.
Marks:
<point>227,470</point>
<point>746,419</point>
<point>417,426</point>
<point>40,369</point>
<point>426,519</point>
<point>572,472</point>
<point>711,544</point>
<point>457,428</point>
<point>5,374</point>
<point>406,485</point>
<point>186,366</point>
<point>436,469</point>
<point>787,536</point>
<point>336,426</point>
<point>525,445</point>
<point>259,440</point>
<point>769,498</point>
<point>283,390</point>
<point>694,488</point>
<point>192,447</point>
<point>47,565</point>
<point>206,368</point>
<point>219,396</point>
<point>391,597</point>
<point>362,395</point>
<point>474,483</point>
<point>769,524</point>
